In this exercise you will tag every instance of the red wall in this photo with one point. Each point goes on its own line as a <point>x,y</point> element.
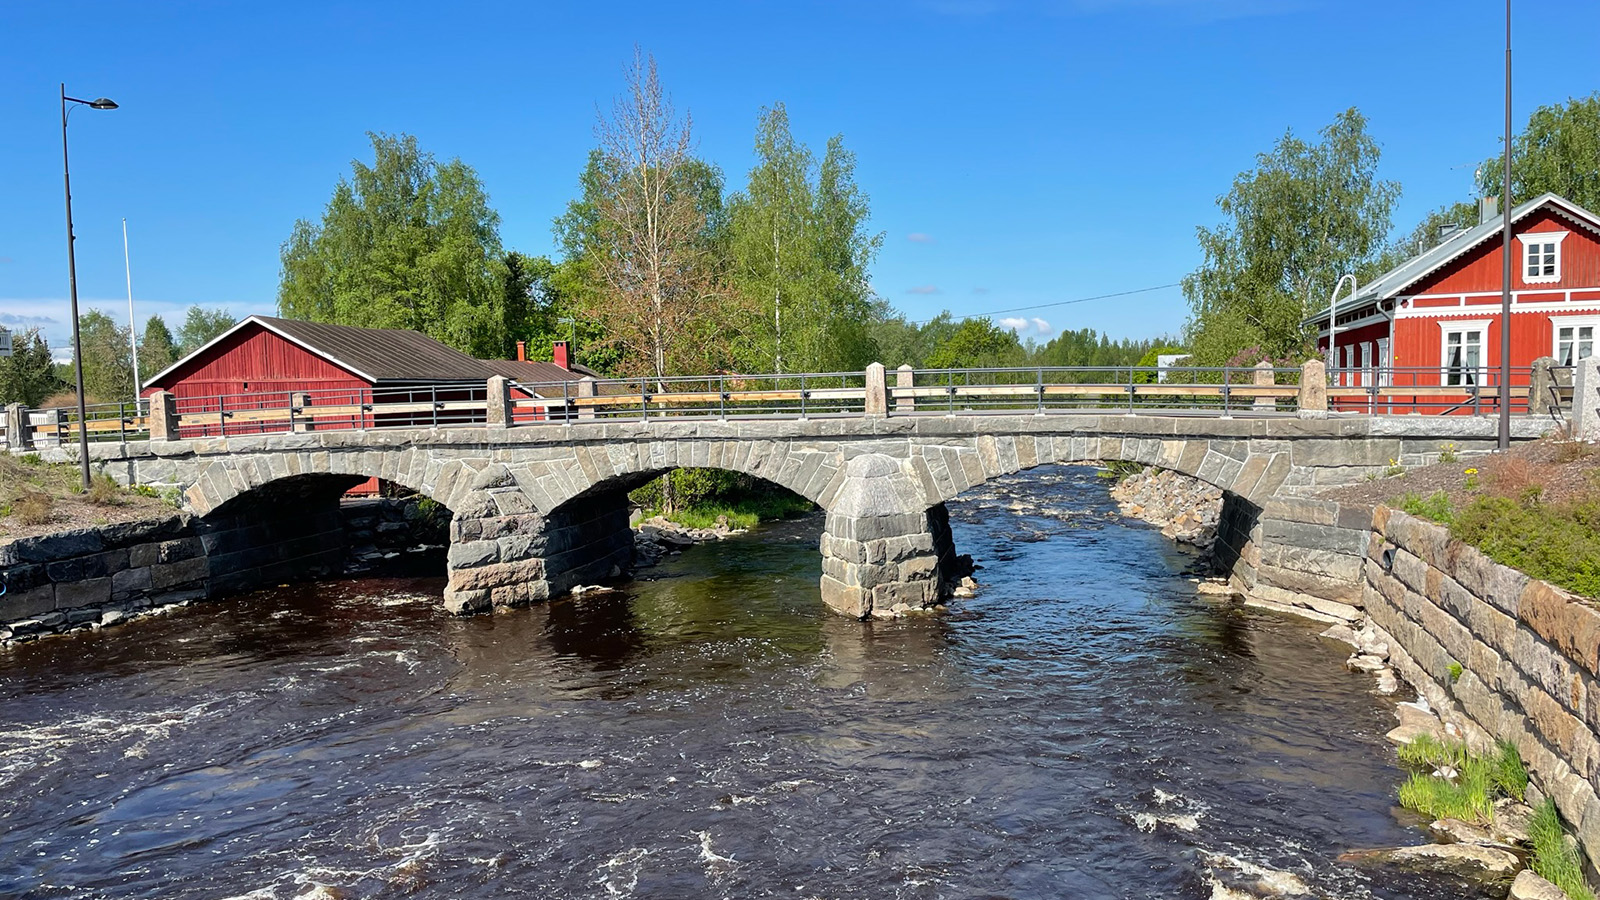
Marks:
<point>1480,270</point>
<point>254,360</point>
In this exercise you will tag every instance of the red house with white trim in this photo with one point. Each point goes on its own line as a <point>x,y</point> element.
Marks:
<point>1436,319</point>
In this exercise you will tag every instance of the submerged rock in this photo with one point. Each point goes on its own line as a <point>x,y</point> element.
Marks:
<point>1472,862</point>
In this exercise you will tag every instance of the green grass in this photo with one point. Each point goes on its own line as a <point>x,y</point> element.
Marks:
<point>1470,794</point>
<point>743,513</point>
<point>1553,860</point>
<point>1435,507</point>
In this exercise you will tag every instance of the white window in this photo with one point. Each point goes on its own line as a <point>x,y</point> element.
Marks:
<point>1574,339</point>
<point>1383,362</point>
<point>1349,362</point>
<point>1366,364</point>
<point>1463,351</point>
<point>1541,256</point>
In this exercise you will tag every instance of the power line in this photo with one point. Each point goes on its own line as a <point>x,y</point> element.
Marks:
<point>999,312</point>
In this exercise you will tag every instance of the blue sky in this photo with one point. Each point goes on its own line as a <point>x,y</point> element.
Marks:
<point>1016,152</point>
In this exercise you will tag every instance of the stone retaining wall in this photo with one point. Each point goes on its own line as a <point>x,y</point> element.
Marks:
<point>1302,555</point>
<point>1528,655</point>
<point>102,575</point>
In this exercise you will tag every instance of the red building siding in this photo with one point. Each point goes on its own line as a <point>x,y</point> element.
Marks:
<point>254,360</point>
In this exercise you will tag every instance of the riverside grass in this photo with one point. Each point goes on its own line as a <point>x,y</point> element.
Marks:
<point>1554,859</point>
<point>1447,782</point>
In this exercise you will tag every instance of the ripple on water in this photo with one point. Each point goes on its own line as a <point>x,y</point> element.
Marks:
<point>1087,726</point>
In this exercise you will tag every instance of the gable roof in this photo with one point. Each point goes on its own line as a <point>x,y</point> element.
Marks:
<point>1391,283</point>
<point>380,355</point>
<point>376,355</point>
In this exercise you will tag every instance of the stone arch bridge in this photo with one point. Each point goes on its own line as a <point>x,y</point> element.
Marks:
<point>539,510</point>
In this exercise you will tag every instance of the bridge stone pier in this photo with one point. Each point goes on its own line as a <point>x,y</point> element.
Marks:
<point>539,509</point>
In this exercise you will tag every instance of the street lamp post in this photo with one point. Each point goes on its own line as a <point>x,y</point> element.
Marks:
<point>72,279</point>
<point>1504,430</point>
<point>1333,319</point>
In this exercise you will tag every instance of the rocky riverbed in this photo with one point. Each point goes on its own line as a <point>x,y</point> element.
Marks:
<point>1186,509</point>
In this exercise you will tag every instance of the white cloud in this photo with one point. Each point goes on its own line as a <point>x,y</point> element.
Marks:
<point>924,289</point>
<point>917,237</point>
<point>1026,327</point>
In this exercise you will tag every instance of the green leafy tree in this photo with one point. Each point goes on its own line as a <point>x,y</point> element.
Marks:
<point>158,349</point>
<point>799,251</point>
<point>201,326</point>
<point>27,376</point>
<point>407,242</point>
<point>107,359</point>
<point>977,343</point>
<point>1306,214</point>
<point>1557,151</point>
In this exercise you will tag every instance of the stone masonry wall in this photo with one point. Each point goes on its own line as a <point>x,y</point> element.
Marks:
<point>100,576</point>
<point>1301,555</point>
<point>94,576</point>
<point>1528,655</point>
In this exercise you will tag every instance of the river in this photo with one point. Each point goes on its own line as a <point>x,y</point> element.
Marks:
<point>1088,726</point>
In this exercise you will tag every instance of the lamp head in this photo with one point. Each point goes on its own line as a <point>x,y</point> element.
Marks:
<point>103,103</point>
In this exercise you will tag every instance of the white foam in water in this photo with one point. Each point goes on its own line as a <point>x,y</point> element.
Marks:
<point>623,883</point>
<point>24,748</point>
<point>715,864</point>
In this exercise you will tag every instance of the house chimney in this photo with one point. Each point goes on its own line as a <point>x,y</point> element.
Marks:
<point>558,352</point>
<point>522,351</point>
<point>1488,208</point>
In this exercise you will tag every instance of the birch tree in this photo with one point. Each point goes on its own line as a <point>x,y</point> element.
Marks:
<point>645,230</point>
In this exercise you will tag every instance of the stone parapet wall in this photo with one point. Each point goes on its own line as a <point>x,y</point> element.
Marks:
<point>1500,655</point>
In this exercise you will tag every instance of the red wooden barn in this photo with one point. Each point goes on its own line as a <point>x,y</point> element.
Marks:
<point>1436,319</point>
<point>270,363</point>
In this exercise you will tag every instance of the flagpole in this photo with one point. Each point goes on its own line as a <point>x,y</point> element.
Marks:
<point>133,327</point>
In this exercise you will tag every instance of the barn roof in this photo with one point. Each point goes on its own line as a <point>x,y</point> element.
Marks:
<point>383,355</point>
<point>1397,279</point>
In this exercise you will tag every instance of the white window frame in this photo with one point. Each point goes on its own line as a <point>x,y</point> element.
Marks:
<point>1539,239</point>
<point>1384,364</point>
<point>1574,322</point>
<point>1446,328</point>
<point>1366,364</point>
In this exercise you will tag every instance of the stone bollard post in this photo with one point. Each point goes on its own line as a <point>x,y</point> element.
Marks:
<point>877,399</point>
<point>300,401</point>
<point>1264,378</point>
<point>1541,387</point>
<point>1585,421</point>
<point>1314,389</point>
<point>163,416</point>
<point>499,409</point>
<point>586,389</point>
<point>905,377</point>
<point>19,430</point>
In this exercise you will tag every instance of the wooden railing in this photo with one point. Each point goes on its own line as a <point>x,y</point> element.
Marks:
<point>1254,391</point>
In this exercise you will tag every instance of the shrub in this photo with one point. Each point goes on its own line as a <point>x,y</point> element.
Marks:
<point>1560,545</point>
<point>34,507</point>
<point>104,491</point>
<point>1553,858</point>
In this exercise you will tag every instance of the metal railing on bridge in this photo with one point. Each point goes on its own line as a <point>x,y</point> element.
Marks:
<point>1190,391</point>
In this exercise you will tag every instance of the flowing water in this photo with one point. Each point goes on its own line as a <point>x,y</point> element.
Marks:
<point>1087,727</point>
